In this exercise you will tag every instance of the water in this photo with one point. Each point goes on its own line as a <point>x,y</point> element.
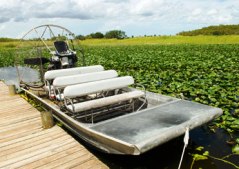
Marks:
<point>166,156</point>
<point>10,75</point>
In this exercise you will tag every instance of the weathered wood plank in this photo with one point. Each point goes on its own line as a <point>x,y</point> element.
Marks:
<point>24,144</point>
<point>29,136</point>
<point>21,155</point>
<point>19,130</point>
<point>17,120</point>
<point>19,124</point>
<point>67,161</point>
<point>88,164</point>
<point>46,157</point>
<point>19,135</point>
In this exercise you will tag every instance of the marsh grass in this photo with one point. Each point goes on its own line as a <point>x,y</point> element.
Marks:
<point>164,40</point>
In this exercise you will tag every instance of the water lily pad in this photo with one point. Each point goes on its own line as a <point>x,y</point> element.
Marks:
<point>200,148</point>
<point>235,149</point>
<point>237,140</point>
<point>198,157</point>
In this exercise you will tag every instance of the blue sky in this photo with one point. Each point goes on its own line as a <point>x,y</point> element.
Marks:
<point>135,17</point>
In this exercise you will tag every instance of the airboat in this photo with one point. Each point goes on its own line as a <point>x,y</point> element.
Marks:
<point>107,111</point>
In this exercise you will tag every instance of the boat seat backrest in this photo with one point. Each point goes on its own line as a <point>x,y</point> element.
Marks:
<point>101,102</point>
<point>61,82</point>
<point>97,86</point>
<point>61,46</point>
<point>52,74</point>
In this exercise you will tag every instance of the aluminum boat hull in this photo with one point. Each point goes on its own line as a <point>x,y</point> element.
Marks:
<point>135,133</point>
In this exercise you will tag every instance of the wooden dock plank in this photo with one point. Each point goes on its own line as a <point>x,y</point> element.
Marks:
<point>19,135</point>
<point>19,130</point>
<point>18,120</point>
<point>88,164</point>
<point>28,143</point>
<point>28,153</point>
<point>16,125</point>
<point>50,156</point>
<point>30,136</point>
<point>79,155</point>
<point>24,144</point>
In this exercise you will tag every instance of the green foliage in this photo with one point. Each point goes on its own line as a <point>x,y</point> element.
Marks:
<point>164,40</point>
<point>114,34</point>
<point>205,155</point>
<point>97,35</point>
<point>213,30</point>
<point>58,38</point>
<point>7,57</point>
<point>235,149</point>
<point>237,140</point>
<point>80,37</point>
<point>117,34</point>
<point>8,40</point>
<point>33,102</point>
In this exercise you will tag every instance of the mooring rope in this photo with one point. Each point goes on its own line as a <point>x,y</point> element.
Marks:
<point>186,138</point>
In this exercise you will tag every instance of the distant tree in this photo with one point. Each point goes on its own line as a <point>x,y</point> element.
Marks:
<point>3,39</point>
<point>118,34</point>
<point>213,30</point>
<point>88,36</point>
<point>80,37</point>
<point>97,35</point>
<point>59,37</point>
<point>39,39</point>
<point>216,33</point>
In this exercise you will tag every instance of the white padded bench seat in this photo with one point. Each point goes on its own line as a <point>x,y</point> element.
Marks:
<point>61,82</point>
<point>97,86</point>
<point>52,74</point>
<point>92,104</point>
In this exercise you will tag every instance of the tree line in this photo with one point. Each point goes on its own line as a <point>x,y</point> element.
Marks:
<point>2,39</point>
<point>117,34</point>
<point>213,30</point>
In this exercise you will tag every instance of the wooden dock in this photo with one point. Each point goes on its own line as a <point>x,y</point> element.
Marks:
<point>24,144</point>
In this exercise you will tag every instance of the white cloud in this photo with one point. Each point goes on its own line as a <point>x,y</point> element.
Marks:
<point>196,12</point>
<point>118,14</point>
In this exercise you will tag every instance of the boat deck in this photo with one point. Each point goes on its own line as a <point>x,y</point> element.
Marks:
<point>24,144</point>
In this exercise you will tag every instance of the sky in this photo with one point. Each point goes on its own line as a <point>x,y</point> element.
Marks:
<point>135,17</point>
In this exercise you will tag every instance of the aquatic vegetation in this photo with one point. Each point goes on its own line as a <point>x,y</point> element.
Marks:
<point>7,57</point>
<point>207,74</point>
<point>204,155</point>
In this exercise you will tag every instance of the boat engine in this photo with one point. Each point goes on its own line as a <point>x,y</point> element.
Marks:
<point>63,57</point>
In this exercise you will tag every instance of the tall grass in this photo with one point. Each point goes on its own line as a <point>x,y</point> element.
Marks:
<point>165,40</point>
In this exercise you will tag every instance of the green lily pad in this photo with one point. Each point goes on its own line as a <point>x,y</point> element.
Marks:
<point>235,149</point>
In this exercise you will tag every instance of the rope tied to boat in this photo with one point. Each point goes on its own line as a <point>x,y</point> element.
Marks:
<point>185,140</point>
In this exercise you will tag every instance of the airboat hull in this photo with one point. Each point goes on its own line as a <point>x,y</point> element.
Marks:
<point>133,134</point>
